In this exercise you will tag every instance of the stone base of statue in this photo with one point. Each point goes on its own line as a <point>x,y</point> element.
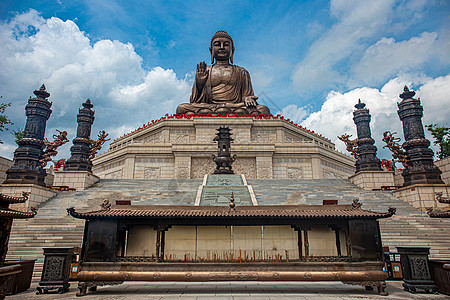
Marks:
<point>181,147</point>
<point>25,177</point>
<point>373,180</point>
<point>79,180</point>
<point>38,194</point>
<point>196,109</point>
<point>422,175</point>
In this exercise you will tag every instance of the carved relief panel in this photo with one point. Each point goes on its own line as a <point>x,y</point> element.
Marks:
<point>245,166</point>
<point>264,170</point>
<point>114,175</point>
<point>264,136</point>
<point>294,173</point>
<point>202,166</point>
<point>151,173</point>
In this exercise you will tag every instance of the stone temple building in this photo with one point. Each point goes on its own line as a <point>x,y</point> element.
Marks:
<point>267,147</point>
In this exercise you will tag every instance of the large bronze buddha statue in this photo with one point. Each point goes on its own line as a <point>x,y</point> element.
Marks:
<point>222,88</point>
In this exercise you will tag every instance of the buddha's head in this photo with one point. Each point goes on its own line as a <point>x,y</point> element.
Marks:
<point>222,47</point>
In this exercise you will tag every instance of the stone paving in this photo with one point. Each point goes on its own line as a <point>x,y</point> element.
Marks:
<point>232,290</point>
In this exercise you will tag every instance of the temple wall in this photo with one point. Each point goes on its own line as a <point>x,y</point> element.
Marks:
<point>322,241</point>
<point>141,241</point>
<point>180,240</point>
<point>5,164</point>
<point>292,167</point>
<point>444,166</point>
<point>218,242</point>
<point>154,168</point>
<point>182,148</point>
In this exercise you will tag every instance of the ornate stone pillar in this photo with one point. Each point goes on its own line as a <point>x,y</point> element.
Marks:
<point>421,168</point>
<point>367,159</point>
<point>26,168</point>
<point>79,160</point>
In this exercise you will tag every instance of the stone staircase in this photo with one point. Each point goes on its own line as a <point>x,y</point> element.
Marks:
<point>52,227</point>
<point>408,227</point>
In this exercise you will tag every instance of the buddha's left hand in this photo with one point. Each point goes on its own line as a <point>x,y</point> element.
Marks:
<point>250,101</point>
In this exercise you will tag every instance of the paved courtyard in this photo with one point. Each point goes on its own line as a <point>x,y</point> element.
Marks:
<point>232,290</point>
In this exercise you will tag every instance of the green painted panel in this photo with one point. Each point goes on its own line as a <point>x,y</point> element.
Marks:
<point>220,195</point>
<point>224,180</point>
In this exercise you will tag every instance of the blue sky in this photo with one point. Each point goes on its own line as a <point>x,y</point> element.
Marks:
<point>309,60</point>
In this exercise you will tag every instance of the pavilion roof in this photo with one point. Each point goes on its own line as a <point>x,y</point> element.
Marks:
<point>10,199</point>
<point>6,213</point>
<point>224,212</point>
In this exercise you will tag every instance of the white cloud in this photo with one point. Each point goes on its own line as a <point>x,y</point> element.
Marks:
<point>56,52</point>
<point>354,52</point>
<point>294,113</point>
<point>7,150</point>
<point>336,115</point>
<point>356,20</point>
<point>388,57</point>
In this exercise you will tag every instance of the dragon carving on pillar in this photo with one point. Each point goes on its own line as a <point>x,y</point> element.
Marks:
<point>50,147</point>
<point>352,145</point>
<point>397,152</point>
<point>97,145</point>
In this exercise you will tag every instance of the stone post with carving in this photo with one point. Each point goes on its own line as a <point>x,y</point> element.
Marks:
<point>421,168</point>
<point>79,160</point>
<point>367,158</point>
<point>26,168</point>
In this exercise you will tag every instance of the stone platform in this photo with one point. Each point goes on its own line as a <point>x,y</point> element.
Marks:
<point>233,291</point>
<point>181,147</point>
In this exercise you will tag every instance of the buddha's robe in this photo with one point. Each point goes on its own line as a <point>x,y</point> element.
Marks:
<point>225,97</point>
<point>234,91</point>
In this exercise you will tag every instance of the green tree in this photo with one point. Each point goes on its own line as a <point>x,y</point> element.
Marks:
<point>441,136</point>
<point>18,135</point>
<point>3,117</point>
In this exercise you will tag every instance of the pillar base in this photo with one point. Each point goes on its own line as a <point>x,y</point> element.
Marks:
<point>38,194</point>
<point>79,180</point>
<point>25,177</point>
<point>370,180</point>
<point>422,196</point>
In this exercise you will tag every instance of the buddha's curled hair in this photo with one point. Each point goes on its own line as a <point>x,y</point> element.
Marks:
<point>222,34</point>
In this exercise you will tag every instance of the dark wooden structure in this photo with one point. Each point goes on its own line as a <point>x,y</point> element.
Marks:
<point>6,218</point>
<point>56,270</point>
<point>416,269</point>
<point>357,260</point>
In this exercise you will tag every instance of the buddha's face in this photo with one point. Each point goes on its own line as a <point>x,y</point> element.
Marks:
<point>221,48</point>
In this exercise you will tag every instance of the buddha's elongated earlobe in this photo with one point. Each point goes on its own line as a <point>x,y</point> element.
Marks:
<point>232,54</point>
<point>212,56</point>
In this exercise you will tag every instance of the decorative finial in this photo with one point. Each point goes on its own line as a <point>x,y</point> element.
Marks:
<point>232,204</point>
<point>407,93</point>
<point>106,205</point>
<point>392,210</point>
<point>360,105</point>
<point>88,104</point>
<point>42,93</point>
<point>356,204</point>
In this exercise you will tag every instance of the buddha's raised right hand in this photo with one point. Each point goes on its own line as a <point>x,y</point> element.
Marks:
<point>202,74</point>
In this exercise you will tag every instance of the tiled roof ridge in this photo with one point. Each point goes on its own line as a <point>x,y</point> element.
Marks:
<point>15,214</point>
<point>12,199</point>
<point>257,117</point>
<point>273,211</point>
